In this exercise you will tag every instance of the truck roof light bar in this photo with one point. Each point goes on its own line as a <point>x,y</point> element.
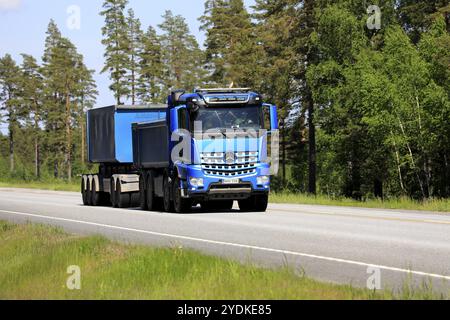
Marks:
<point>224,90</point>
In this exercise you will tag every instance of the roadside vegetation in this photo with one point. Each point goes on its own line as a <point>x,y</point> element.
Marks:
<point>51,184</point>
<point>34,261</point>
<point>438,205</point>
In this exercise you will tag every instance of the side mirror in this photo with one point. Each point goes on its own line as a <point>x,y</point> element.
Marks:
<point>270,117</point>
<point>173,119</point>
<point>273,118</point>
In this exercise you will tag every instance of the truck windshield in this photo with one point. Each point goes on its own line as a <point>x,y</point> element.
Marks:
<point>250,117</point>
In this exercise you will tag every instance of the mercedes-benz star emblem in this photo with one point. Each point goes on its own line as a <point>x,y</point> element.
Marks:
<point>229,158</point>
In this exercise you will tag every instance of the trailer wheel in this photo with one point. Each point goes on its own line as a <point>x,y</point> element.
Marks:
<point>95,196</point>
<point>150,192</point>
<point>180,204</point>
<point>83,191</point>
<point>88,192</point>
<point>168,204</point>
<point>142,192</point>
<point>122,199</point>
<point>112,191</point>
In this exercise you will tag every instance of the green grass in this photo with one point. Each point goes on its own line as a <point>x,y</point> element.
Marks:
<point>34,261</point>
<point>439,205</point>
<point>54,185</point>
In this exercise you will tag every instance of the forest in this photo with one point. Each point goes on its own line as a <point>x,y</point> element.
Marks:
<point>364,104</point>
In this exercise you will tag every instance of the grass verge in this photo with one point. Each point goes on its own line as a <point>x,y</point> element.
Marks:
<point>56,185</point>
<point>438,205</point>
<point>34,261</point>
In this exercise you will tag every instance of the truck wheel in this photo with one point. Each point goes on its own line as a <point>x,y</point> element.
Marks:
<point>142,193</point>
<point>180,204</point>
<point>261,203</point>
<point>83,192</point>
<point>95,196</point>
<point>122,199</point>
<point>168,204</point>
<point>88,192</point>
<point>254,203</point>
<point>150,193</point>
<point>247,204</point>
<point>112,191</point>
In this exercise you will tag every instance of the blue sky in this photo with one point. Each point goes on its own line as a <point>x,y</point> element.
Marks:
<point>23,24</point>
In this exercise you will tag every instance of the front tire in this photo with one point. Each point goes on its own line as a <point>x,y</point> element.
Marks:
<point>180,204</point>
<point>257,203</point>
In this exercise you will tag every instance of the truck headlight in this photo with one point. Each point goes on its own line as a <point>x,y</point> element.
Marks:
<point>196,182</point>
<point>262,180</point>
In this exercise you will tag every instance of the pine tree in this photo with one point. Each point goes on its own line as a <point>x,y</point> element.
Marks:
<point>9,99</point>
<point>115,40</point>
<point>150,69</point>
<point>232,53</point>
<point>66,80</point>
<point>32,100</point>
<point>182,56</point>
<point>276,23</point>
<point>416,16</point>
<point>134,40</point>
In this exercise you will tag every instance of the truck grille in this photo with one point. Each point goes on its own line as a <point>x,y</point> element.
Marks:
<point>229,164</point>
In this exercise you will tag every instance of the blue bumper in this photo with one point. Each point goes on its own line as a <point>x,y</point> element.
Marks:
<point>215,188</point>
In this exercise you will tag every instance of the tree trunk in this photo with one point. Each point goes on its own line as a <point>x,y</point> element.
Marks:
<point>37,160</point>
<point>378,188</point>
<point>133,82</point>
<point>11,148</point>
<point>69,140</point>
<point>283,133</point>
<point>312,144</point>
<point>37,151</point>
<point>413,162</point>
<point>399,169</point>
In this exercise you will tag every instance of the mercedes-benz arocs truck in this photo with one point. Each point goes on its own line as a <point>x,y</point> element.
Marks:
<point>207,148</point>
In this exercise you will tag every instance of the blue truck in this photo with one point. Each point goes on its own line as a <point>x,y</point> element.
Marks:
<point>207,148</point>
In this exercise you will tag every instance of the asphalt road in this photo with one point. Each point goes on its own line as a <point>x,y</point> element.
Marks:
<point>335,244</point>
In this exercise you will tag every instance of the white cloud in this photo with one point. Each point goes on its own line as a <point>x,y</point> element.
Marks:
<point>6,5</point>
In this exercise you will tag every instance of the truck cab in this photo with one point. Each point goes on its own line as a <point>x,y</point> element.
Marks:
<point>228,131</point>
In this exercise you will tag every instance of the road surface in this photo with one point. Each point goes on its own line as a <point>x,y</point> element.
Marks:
<point>334,244</point>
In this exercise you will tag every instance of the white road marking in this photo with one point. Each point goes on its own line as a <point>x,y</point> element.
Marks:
<point>285,252</point>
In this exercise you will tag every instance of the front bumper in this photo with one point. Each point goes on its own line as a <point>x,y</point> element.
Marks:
<point>214,187</point>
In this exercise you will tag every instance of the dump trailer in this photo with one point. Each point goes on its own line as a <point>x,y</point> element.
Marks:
<point>207,148</point>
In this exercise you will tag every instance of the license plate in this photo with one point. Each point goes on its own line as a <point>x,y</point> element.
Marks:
<point>231,181</point>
